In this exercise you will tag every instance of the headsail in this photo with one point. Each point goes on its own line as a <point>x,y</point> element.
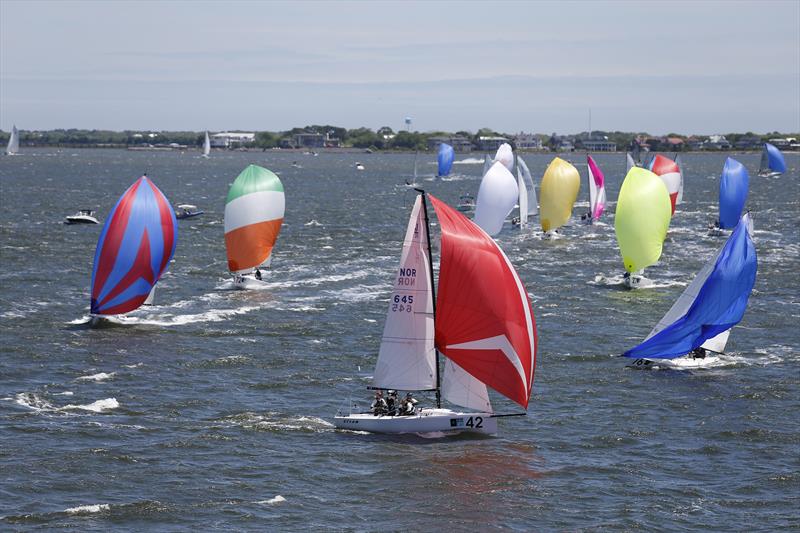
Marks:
<point>533,202</point>
<point>135,246</point>
<point>13,141</point>
<point>253,216</point>
<point>406,360</point>
<point>666,169</point>
<point>642,219</point>
<point>772,160</point>
<point>733,188</point>
<point>497,195</point>
<point>712,304</point>
<point>484,320</point>
<point>445,158</point>
<point>597,189</point>
<point>559,190</point>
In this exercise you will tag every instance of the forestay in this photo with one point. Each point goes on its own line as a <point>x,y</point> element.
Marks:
<point>484,320</point>
<point>407,359</point>
<point>713,303</point>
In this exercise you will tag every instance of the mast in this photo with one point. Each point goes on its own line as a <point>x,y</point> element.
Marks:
<point>433,292</point>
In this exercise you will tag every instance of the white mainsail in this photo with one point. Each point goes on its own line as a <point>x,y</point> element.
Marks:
<point>533,202</point>
<point>206,146</point>
<point>13,142</point>
<point>523,199</point>
<point>630,163</point>
<point>487,164</point>
<point>679,199</point>
<point>460,388</point>
<point>407,357</point>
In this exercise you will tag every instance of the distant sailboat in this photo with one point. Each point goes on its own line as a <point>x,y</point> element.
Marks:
<point>253,217</point>
<point>558,192</point>
<point>13,142</point>
<point>597,191</point>
<point>669,172</point>
<point>528,203</point>
<point>734,185</point>
<point>206,146</point>
<point>497,196</point>
<point>701,319</point>
<point>135,246</point>
<point>772,162</point>
<point>506,156</point>
<point>641,223</point>
<point>445,159</point>
<point>486,331</point>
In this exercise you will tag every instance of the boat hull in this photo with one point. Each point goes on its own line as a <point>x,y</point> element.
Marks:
<point>188,215</point>
<point>636,281</point>
<point>679,363</point>
<point>423,421</point>
<point>80,220</point>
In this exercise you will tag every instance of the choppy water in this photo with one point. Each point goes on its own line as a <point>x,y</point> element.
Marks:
<point>213,409</point>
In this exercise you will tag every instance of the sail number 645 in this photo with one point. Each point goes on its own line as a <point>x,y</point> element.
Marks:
<point>402,303</point>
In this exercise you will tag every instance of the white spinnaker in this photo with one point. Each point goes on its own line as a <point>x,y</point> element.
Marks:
<point>460,388</point>
<point>630,163</point>
<point>407,359</point>
<point>679,199</point>
<point>506,156</point>
<point>497,196</point>
<point>523,199</point>
<point>685,300</point>
<point>533,202</point>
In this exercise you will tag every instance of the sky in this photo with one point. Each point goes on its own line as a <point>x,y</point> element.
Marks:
<point>658,67</point>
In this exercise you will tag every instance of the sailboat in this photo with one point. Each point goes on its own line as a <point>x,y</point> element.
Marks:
<point>206,146</point>
<point>13,141</point>
<point>525,174</point>
<point>135,246</point>
<point>559,190</point>
<point>597,191</point>
<point>701,319</point>
<point>669,172</point>
<point>254,213</point>
<point>482,322</point>
<point>445,159</point>
<point>772,162</point>
<point>679,163</point>
<point>497,196</point>
<point>505,155</point>
<point>641,223</point>
<point>734,185</point>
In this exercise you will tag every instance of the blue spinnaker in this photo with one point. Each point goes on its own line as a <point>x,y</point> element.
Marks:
<point>719,305</point>
<point>733,187</point>
<point>776,161</point>
<point>446,156</point>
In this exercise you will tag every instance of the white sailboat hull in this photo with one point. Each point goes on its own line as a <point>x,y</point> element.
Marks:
<point>637,281</point>
<point>687,362</point>
<point>423,421</point>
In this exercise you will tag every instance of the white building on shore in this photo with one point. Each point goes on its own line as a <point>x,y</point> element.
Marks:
<point>232,139</point>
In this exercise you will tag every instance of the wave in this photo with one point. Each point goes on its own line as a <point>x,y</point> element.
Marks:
<point>469,161</point>
<point>100,376</point>
<point>272,501</point>
<point>34,402</point>
<point>279,423</point>
<point>88,509</point>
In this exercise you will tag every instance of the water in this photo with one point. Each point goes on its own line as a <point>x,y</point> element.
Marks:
<point>213,409</point>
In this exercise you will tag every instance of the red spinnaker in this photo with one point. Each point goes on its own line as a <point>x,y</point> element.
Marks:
<point>484,319</point>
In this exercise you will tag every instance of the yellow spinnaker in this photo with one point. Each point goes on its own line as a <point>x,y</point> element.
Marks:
<point>558,192</point>
<point>642,219</point>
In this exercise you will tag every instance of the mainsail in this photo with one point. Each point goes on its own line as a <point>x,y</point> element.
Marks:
<point>642,219</point>
<point>206,146</point>
<point>484,320</point>
<point>497,195</point>
<point>533,202</point>
<point>711,305</point>
<point>135,246</point>
<point>13,142</point>
<point>487,164</point>
<point>670,174</point>
<point>253,216</point>
<point>679,162</point>
<point>558,191</point>
<point>629,163</point>
<point>445,159</point>
<point>523,199</point>
<point>733,188</point>
<point>597,189</point>
<point>407,359</point>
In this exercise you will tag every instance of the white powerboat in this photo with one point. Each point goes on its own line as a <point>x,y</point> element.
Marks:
<point>84,216</point>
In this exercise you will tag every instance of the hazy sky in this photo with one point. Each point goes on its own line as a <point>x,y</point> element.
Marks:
<point>689,67</point>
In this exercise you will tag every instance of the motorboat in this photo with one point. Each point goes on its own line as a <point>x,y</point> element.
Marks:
<point>187,211</point>
<point>84,216</point>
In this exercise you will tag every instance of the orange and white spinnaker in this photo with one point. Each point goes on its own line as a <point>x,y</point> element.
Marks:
<point>253,217</point>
